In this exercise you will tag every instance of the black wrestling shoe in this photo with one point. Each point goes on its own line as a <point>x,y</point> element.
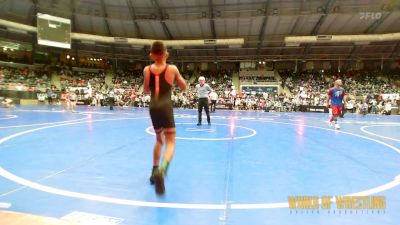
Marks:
<point>152,175</point>
<point>198,124</point>
<point>159,182</point>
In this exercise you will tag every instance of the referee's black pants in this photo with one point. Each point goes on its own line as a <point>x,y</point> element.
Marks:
<point>203,102</point>
<point>213,104</point>
<point>111,101</point>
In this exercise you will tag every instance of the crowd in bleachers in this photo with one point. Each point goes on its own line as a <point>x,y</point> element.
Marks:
<point>70,78</point>
<point>218,81</point>
<point>356,83</point>
<point>310,88</point>
<point>368,90</point>
<point>128,79</point>
<point>23,79</point>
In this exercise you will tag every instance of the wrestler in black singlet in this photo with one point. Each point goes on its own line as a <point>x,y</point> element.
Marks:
<point>161,111</point>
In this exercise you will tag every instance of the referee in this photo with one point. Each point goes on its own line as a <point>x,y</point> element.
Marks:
<point>203,90</point>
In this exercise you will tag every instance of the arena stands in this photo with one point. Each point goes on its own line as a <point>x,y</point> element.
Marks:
<point>306,88</point>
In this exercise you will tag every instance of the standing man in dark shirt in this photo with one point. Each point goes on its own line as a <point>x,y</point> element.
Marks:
<point>159,78</point>
<point>111,99</point>
<point>50,95</point>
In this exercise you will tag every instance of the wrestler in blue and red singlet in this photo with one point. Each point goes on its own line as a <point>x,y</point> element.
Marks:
<point>336,97</point>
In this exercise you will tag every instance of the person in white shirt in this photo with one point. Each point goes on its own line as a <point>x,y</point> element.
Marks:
<point>213,97</point>
<point>350,106</point>
<point>278,106</point>
<point>97,97</point>
<point>8,103</point>
<point>19,87</point>
<point>176,101</point>
<point>232,95</point>
<point>364,108</point>
<point>41,97</point>
<point>373,107</point>
<point>316,100</point>
<point>146,100</point>
<point>388,108</point>
<point>238,103</point>
<point>73,98</point>
<point>380,107</point>
<point>89,90</point>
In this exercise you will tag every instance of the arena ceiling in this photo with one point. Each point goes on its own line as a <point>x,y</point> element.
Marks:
<point>263,25</point>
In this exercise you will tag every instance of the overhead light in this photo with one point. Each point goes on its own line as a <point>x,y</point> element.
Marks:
<point>73,58</point>
<point>17,30</point>
<point>291,44</point>
<point>88,42</point>
<point>362,43</point>
<point>336,9</point>
<point>137,46</point>
<point>324,37</point>
<point>68,56</point>
<point>234,46</point>
<point>52,25</point>
<point>210,42</point>
<point>5,49</point>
